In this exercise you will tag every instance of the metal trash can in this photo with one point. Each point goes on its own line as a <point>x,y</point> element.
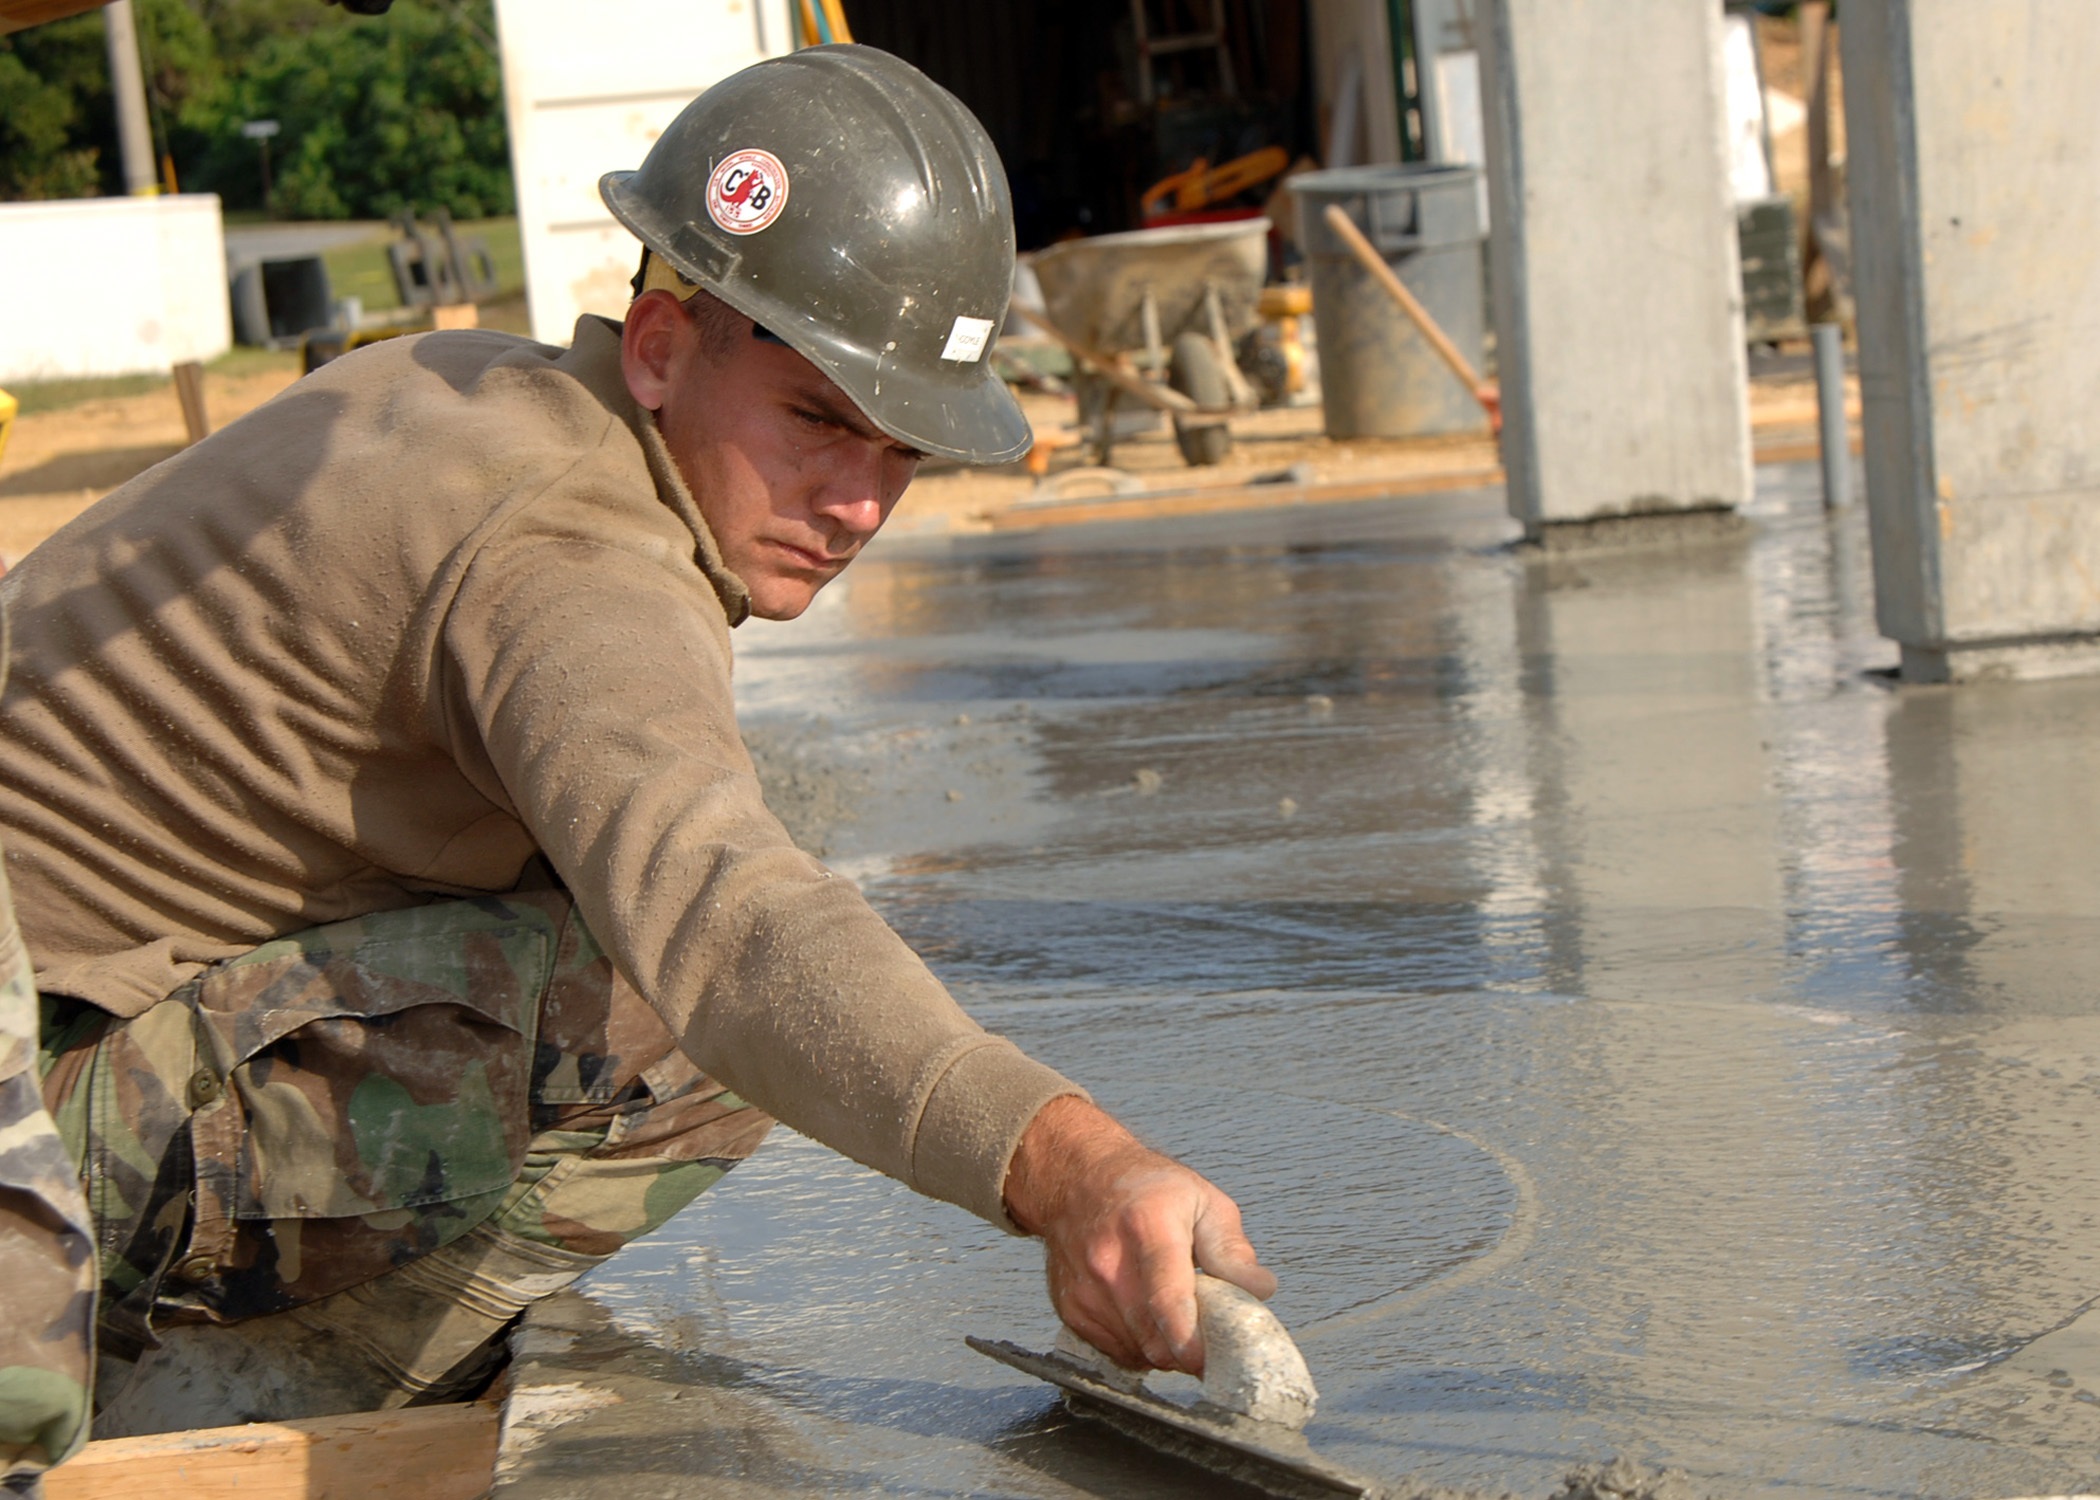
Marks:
<point>275,302</point>
<point>1378,375</point>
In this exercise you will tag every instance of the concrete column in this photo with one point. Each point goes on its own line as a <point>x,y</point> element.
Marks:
<point>1973,136</point>
<point>1618,293</point>
<point>127,86</point>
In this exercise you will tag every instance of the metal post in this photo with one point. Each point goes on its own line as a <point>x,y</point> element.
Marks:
<point>260,131</point>
<point>127,85</point>
<point>1829,342</point>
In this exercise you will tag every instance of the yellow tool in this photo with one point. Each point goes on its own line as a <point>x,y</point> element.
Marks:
<point>8,407</point>
<point>1283,309</point>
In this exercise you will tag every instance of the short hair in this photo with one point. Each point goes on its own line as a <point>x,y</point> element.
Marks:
<point>720,325</point>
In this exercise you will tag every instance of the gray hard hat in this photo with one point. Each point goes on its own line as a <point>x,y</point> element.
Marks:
<point>853,207</point>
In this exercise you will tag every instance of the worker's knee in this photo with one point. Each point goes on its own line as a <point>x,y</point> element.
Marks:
<point>607,1175</point>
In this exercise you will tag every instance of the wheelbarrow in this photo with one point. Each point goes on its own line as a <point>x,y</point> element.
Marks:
<point>1154,315</point>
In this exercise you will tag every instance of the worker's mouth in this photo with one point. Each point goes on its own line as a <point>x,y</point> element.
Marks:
<point>806,559</point>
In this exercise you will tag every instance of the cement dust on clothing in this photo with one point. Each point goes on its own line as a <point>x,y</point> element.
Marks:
<point>1651,1032</point>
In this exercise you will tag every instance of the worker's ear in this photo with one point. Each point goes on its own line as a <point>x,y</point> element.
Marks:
<point>649,345</point>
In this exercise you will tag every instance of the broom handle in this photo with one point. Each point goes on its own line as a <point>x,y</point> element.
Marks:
<point>1361,248</point>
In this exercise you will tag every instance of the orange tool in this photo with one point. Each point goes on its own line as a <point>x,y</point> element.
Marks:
<point>1203,184</point>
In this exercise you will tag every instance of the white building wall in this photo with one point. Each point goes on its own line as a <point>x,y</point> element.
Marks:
<point>587,89</point>
<point>111,286</point>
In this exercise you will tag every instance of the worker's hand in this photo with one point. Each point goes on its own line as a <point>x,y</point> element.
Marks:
<point>1124,1230</point>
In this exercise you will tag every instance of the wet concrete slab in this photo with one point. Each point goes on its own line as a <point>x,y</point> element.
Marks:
<point>1632,1023</point>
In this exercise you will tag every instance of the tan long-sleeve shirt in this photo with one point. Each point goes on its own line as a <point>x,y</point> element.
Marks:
<point>443,605</point>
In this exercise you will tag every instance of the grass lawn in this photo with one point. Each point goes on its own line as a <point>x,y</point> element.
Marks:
<point>361,270</point>
<point>56,395</point>
<point>37,396</point>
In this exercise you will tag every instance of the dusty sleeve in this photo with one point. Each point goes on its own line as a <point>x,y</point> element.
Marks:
<point>595,679</point>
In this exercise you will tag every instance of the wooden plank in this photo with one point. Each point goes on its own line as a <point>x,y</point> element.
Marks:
<point>1777,416</point>
<point>1808,450</point>
<point>189,390</point>
<point>1219,498</point>
<point>421,1453</point>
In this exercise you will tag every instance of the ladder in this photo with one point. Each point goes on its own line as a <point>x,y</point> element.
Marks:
<point>1150,46</point>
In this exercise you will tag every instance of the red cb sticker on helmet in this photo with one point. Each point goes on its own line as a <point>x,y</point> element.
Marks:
<point>747,191</point>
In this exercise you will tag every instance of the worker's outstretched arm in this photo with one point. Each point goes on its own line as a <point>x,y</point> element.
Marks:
<point>1124,1231</point>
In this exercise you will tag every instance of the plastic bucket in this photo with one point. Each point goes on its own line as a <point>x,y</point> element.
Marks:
<point>1378,376</point>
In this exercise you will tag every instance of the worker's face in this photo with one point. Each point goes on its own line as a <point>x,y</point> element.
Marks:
<point>791,478</point>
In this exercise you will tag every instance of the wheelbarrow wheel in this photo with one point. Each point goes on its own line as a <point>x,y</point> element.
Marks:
<point>1196,372</point>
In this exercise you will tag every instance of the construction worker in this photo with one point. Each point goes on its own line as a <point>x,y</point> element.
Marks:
<point>409,929</point>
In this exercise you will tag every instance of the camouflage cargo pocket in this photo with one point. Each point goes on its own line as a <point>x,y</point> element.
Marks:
<point>370,1066</point>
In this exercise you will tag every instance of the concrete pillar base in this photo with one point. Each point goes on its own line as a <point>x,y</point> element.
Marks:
<point>1662,528</point>
<point>1999,661</point>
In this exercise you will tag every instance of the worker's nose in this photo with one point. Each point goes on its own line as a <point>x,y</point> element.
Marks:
<point>857,511</point>
<point>862,488</point>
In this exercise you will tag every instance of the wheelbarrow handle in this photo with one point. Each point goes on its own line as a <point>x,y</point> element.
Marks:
<point>1113,367</point>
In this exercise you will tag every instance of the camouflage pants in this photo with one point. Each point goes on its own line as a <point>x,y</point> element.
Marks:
<point>47,1273</point>
<point>335,1105</point>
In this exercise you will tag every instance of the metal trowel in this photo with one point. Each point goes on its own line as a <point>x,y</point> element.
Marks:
<point>1257,1397</point>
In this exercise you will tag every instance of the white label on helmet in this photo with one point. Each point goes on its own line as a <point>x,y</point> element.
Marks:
<point>966,340</point>
<point>747,191</point>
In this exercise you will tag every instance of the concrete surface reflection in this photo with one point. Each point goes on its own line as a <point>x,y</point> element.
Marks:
<point>1633,1024</point>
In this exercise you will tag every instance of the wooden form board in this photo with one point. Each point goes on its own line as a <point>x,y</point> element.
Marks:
<point>1215,498</point>
<point>422,1453</point>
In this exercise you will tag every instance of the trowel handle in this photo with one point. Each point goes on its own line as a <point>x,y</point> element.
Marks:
<point>1250,1363</point>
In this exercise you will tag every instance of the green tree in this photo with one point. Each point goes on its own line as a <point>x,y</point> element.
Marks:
<point>242,26</point>
<point>49,78</point>
<point>376,114</point>
<point>57,121</point>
